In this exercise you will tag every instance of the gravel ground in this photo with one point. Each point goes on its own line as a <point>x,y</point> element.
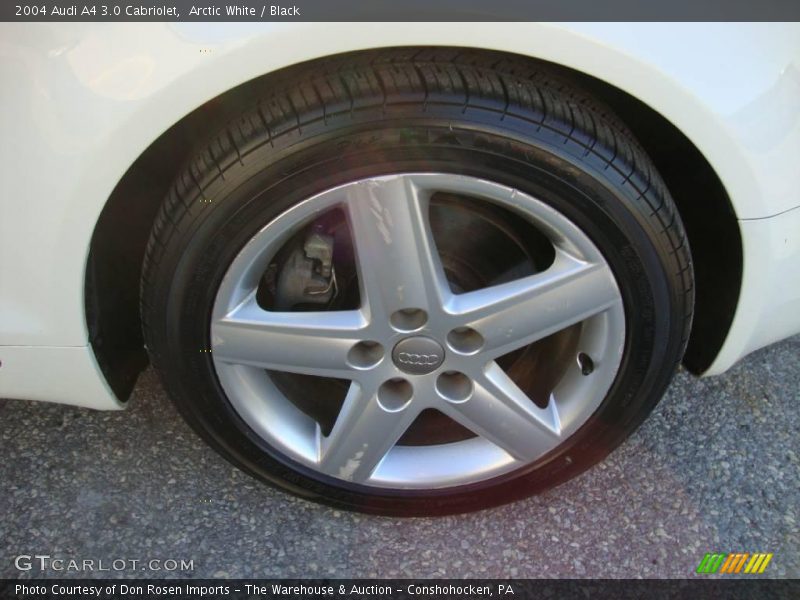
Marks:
<point>715,468</point>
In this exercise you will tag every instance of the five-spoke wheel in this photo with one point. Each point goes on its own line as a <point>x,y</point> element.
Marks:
<point>414,344</point>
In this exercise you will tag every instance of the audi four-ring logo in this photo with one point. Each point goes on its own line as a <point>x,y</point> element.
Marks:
<point>409,358</point>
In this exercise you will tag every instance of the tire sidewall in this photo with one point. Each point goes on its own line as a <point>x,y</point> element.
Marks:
<point>270,181</point>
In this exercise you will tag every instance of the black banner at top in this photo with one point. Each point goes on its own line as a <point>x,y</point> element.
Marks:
<point>398,10</point>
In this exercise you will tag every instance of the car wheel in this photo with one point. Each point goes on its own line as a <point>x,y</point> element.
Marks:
<point>417,285</point>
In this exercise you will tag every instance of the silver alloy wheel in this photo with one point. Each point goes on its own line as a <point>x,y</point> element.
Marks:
<point>414,344</point>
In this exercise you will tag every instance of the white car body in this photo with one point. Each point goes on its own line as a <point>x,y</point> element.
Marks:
<point>81,102</point>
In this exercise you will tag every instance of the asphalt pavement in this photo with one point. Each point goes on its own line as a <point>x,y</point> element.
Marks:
<point>716,467</point>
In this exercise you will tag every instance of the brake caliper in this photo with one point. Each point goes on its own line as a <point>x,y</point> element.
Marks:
<point>308,275</point>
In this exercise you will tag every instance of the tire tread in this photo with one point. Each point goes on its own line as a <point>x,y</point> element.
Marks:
<point>513,88</point>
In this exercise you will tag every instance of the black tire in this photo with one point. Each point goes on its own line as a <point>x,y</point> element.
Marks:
<point>341,120</point>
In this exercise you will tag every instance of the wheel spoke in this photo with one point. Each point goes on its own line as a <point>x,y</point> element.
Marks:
<point>397,260</point>
<point>517,313</point>
<point>312,343</point>
<point>500,412</point>
<point>363,434</point>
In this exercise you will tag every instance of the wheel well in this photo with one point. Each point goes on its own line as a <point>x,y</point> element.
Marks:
<point>122,231</point>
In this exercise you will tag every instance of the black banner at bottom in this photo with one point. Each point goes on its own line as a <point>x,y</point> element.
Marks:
<point>405,589</point>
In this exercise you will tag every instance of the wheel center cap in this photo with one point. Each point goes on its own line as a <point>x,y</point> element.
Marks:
<point>418,355</point>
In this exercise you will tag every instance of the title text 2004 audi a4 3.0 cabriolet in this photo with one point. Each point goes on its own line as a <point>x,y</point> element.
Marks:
<point>405,269</point>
